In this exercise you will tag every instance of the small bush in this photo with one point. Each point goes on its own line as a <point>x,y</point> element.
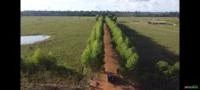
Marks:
<point>176,66</point>
<point>119,41</point>
<point>126,41</point>
<point>174,69</point>
<point>122,50</point>
<point>131,62</point>
<point>162,65</point>
<point>95,49</point>
<point>36,56</point>
<point>168,70</point>
<point>86,56</point>
<point>128,53</point>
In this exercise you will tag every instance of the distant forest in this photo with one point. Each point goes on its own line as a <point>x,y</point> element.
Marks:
<point>94,13</point>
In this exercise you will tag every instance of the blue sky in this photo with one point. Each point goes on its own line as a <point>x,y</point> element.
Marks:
<point>100,5</point>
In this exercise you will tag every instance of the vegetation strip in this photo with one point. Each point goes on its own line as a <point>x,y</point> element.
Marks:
<point>92,56</point>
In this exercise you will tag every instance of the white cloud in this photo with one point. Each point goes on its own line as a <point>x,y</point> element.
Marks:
<point>114,5</point>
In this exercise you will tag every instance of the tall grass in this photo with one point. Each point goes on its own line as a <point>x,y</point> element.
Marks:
<point>126,51</point>
<point>92,56</point>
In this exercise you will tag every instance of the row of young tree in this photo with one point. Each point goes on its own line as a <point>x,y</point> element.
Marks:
<point>127,52</point>
<point>92,56</point>
<point>94,13</point>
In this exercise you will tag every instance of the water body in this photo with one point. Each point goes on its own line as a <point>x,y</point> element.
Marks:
<point>25,40</point>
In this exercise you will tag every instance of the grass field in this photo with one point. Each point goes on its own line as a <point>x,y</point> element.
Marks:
<point>69,38</point>
<point>153,43</point>
<point>165,35</point>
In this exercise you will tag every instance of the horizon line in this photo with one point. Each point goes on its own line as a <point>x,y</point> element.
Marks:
<point>99,10</point>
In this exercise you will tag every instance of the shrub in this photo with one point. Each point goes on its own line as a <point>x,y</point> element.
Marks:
<point>168,70</point>
<point>95,49</point>
<point>131,62</point>
<point>174,69</point>
<point>86,56</point>
<point>123,49</point>
<point>176,66</point>
<point>119,41</point>
<point>36,56</point>
<point>126,41</point>
<point>128,53</point>
<point>162,65</point>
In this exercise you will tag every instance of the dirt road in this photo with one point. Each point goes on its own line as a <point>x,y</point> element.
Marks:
<point>111,65</point>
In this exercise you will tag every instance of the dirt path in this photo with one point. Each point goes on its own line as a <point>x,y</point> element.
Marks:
<point>111,65</point>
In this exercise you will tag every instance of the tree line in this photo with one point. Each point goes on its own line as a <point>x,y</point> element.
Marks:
<point>94,13</point>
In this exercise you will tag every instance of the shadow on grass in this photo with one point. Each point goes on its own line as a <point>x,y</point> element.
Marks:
<point>146,74</point>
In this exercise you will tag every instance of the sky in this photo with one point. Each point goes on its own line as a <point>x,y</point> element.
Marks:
<point>101,5</point>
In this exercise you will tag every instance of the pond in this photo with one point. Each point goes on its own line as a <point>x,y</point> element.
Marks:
<point>25,40</point>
